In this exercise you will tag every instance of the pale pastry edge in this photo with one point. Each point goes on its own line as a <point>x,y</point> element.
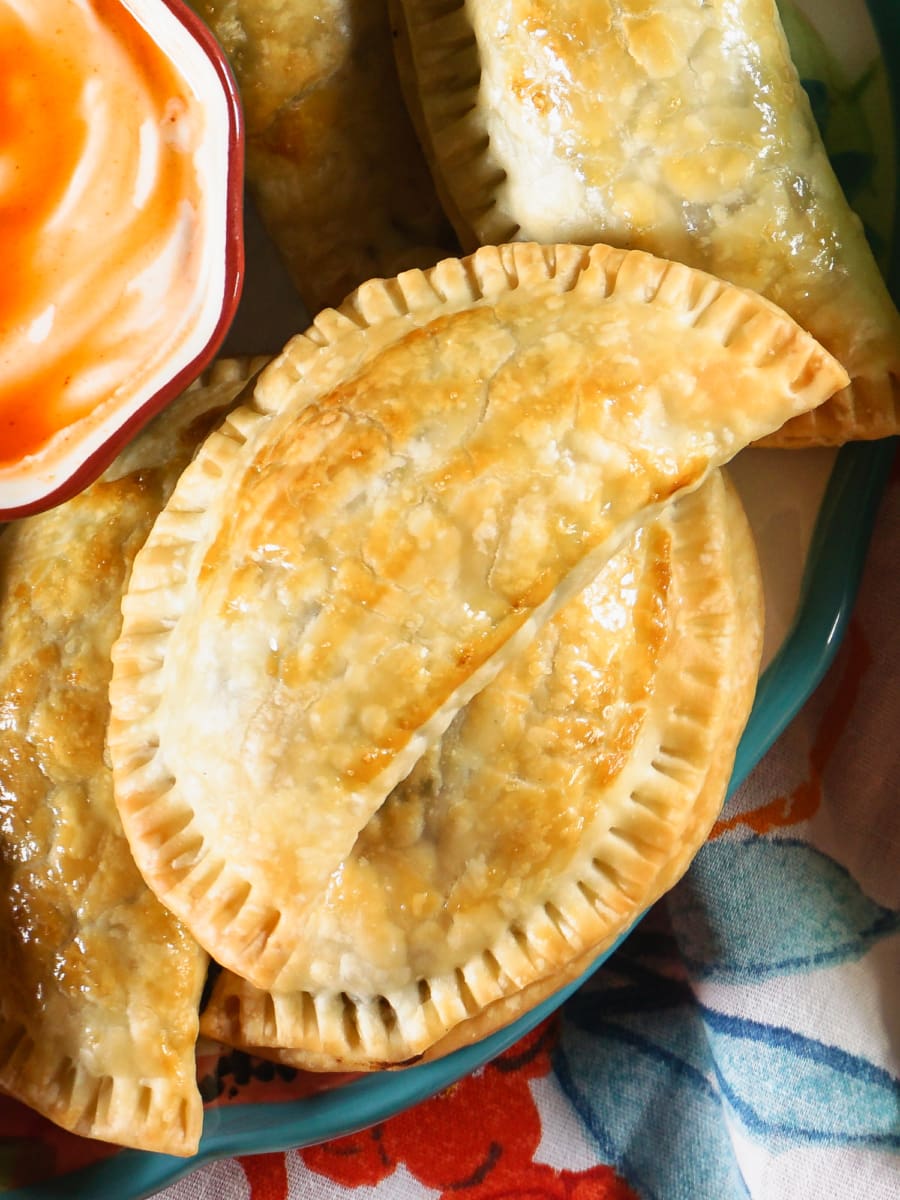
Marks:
<point>332,1031</point>
<point>212,896</point>
<point>162,1113</point>
<point>439,67</point>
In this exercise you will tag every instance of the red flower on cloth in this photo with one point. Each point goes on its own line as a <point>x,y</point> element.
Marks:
<point>267,1176</point>
<point>476,1139</point>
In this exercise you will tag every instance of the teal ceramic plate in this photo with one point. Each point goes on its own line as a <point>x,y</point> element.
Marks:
<point>813,530</point>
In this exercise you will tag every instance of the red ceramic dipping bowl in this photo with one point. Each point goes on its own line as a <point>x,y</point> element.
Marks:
<point>121,184</point>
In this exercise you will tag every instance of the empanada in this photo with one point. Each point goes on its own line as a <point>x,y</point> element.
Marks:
<point>417,485</point>
<point>566,796</point>
<point>99,984</point>
<point>332,160</point>
<point>679,128</point>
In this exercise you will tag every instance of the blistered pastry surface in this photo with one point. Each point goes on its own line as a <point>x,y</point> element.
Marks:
<point>678,128</point>
<point>568,793</point>
<point>98,1007</point>
<point>407,501</point>
<point>332,159</point>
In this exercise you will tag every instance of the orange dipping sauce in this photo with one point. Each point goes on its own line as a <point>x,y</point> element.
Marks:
<point>101,219</point>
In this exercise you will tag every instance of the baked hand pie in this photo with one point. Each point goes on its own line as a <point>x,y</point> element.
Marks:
<point>333,163</point>
<point>415,487</point>
<point>679,128</point>
<point>562,800</point>
<point>99,984</point>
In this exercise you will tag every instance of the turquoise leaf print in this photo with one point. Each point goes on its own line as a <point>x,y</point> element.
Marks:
<point>787,1088</point>
<point>637,1031</point>
<point>648,1107</point>
<point>787,907</point>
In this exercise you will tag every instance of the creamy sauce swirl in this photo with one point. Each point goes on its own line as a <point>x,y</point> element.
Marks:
<point>102,217</point>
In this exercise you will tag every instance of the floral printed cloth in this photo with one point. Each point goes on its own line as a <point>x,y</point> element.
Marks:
<point>745,1040</point>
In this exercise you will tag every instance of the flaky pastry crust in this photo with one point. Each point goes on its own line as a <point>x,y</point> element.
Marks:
<point>678,128</point>
<point>564,799</point>
<point>419,483</point>
<point>332,160</point>
<point>99,984</point>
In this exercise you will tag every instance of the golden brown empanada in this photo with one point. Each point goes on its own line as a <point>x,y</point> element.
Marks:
<point>679,128</point>
<point>99,984</point>
<point>417,485</point>
<point>334,166</point>
<point>565,797</point>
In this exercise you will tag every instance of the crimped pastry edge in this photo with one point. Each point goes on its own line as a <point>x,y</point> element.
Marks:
<point>439,67</point>
<point>334,1031</point>
<point>867,410</point>
<point>210,895</point>
<point>36,1067</point>
<point>158,1115</point>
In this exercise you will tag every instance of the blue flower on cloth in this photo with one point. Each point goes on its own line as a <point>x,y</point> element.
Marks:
<point>728,1039</point>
